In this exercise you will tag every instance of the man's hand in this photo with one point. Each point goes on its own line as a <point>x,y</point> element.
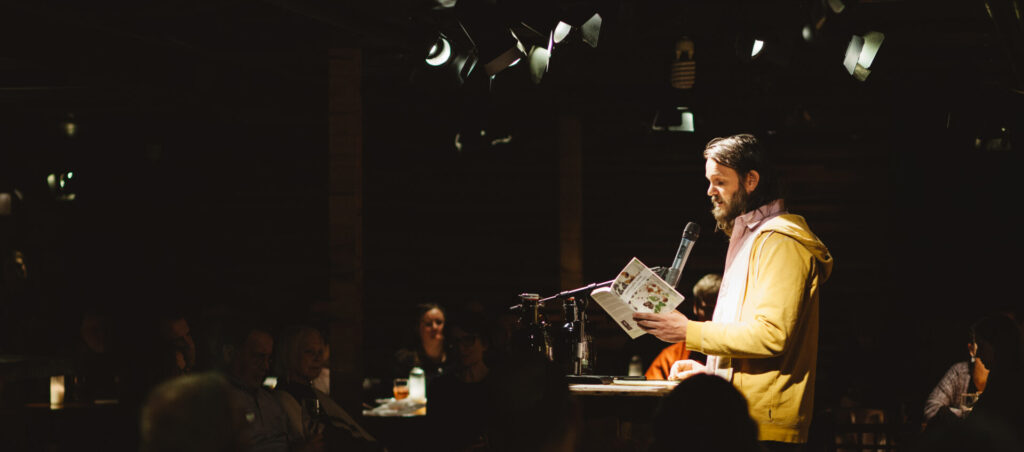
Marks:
<point>682,370</point>
<point>669,327</point>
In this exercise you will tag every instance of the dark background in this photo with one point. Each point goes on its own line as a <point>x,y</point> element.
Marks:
<point>200,161</point>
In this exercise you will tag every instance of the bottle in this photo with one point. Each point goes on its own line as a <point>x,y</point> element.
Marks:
<point>575,342</point>
<point>417,384</point>
<point>636,367</point>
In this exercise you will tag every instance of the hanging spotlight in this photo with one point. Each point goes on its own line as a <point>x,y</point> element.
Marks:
<point>861,52</point>
<point>591,30</point>
<point>756,48</point>
<point>561,31</point>
<point>440,52</point>
<point>674,119</point>
<point>496,45</point>
<point>61,185</point>
<point>837,6</point>
<point>748,47</point>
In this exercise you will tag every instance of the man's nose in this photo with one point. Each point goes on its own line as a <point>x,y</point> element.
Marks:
<point>711,189</point>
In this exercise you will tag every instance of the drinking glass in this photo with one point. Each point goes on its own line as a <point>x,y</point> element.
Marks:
<point>401,388</point>
<point>967,401</point>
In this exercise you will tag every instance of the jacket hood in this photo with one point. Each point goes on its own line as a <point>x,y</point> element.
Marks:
<point>796,227</point>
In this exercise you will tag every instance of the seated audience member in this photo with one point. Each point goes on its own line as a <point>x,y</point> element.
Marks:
<point>705,294</point>
<point>994,423</point>
<point>999,407</point>
<point>704,413</point>
<point>963,377</point>
<point>177,337</point>
<point>428,351</point>
<point>457,400</point>
<point>537,412</point>
<point>94,358</point>
<point>312,413</point>
<point>192,413</point>
<point>247,352</point>
<point>322,382</point>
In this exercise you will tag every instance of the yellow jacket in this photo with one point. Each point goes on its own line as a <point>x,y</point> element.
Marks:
<point>774,345</point>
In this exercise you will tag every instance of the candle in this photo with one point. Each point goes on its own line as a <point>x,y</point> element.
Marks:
<point>56,391</point>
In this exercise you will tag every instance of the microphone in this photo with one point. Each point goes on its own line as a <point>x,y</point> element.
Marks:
<point>579,291</point>
<point>690,234</point>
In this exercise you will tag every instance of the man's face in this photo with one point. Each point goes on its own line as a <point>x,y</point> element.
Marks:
<point>252,362</point>
<point>728,196</point>
<point>702,309</point>
<point>178,333</point>
<point>471,347</point>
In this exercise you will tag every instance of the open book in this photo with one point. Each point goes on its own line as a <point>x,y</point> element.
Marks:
<point>636,289</point>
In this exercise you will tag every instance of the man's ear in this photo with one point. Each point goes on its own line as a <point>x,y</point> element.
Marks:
<point>750,182</point>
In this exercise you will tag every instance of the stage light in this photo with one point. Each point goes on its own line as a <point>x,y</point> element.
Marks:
<point>675,119</point>
<point>837,6</point>
<point>496,45</point>
<point>6,201</point>
<point>807,33</point>
<point>561,31</point>
<point>61,186</point>
<point>756,48</point>
<point>861,52</point>
<point>591,30</point>
<point>538,58</point>
<point>440,52</point>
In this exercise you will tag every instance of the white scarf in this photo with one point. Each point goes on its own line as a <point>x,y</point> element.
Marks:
<point>730,299</point>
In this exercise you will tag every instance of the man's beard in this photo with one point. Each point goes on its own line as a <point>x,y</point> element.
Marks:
<point>725,215</point>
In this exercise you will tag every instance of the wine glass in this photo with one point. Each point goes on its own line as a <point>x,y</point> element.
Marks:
<point>967,401</point>
<point>401,388</point>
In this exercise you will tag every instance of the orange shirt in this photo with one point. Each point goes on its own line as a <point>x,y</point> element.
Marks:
<point>662,364</point>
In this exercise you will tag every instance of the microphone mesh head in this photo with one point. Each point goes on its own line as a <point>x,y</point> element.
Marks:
<point>692,231</point>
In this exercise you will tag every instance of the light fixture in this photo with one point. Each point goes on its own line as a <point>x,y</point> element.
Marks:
<point>683,73</point>
<point>61,185</point>
<point>561,31</point>
<point>496,45</point>
<point>440,52</point>
<point>749,46</point>
<point>756,48</point>
<point>861,52</point>
<point>675,119</point>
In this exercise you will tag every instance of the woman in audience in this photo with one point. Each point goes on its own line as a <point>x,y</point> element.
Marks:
<point>428,353</point>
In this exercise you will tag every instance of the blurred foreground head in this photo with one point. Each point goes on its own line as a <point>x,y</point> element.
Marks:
<point>191,413</point>
<point>704,413</point>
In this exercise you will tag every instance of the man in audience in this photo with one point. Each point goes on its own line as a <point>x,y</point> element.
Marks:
<point>312,415</point>
<point>247,353</point>
<point>193,413</point>
<point>705,294</point>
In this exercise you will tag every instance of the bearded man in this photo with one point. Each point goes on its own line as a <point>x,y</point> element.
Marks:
<point>763,336</point>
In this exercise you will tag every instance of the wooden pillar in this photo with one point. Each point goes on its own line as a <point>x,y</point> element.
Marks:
<point>345,238</point>
<point>570,201</point>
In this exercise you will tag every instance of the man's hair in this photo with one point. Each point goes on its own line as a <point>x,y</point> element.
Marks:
<point>288,343</point>
<point>707,287</point>
<point>743,153</point>
<point>191,413</point>
<point>722,423</point>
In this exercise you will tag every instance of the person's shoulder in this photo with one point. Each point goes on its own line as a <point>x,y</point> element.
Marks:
<point>961,367</point>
